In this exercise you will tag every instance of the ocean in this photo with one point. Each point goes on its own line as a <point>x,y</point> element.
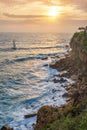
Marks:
<point>26,80</point>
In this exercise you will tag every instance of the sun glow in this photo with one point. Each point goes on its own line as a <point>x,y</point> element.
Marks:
<point>53,11</point>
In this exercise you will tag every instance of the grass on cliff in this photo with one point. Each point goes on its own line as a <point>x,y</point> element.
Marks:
<point>80,37</point>
<point>85,44</point>
<point>74,118</point>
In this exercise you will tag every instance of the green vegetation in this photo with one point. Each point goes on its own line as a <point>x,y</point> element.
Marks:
<point>78,36</point>
<point>74,118</point>
<point>82,38</point>
<point>85,44</point>
<point>85,41</point>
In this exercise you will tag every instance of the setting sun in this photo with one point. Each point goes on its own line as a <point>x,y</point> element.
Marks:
<point>53,11</point>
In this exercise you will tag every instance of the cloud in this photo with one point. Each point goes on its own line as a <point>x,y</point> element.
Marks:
<point>12,2</point>
<point>76,3</point>
<point>23,16</point>
<point>17,22</point>
<point>71,9</point>
<point>18,2</point>
<point>22,19</point>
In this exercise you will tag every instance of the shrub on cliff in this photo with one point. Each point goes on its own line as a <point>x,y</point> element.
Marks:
<point>46,115</point>
<point>78,36</point>
<point>69,118</point>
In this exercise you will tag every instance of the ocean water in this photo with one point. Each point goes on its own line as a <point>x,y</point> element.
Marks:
<point>26,80</point>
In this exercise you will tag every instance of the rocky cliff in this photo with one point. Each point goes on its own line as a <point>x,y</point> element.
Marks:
<point>72,116</point>
<point>78,44</point>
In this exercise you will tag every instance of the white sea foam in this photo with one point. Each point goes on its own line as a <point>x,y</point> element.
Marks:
<point>25,77</point>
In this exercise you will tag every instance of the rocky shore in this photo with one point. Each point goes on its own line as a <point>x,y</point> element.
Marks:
<point>67,117</point>
<point>72,116</point>
<point>78,89</point>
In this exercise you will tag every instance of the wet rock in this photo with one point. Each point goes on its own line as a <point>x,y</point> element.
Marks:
<point>44,58</point>
<point>61,80</point>
<point>54,90</point>
<point>63,75</point>
<point>55,56</point>
<point>68,87</point>
<point>46,114</point>
<point>32,105</point>
<point>67,46</point>
<point>46,65</point>
<point>30,115</point>
<point>53,97</point>
<point>52,65</point>
<point>65,95</point>
<point>33,125</point>
<point>5,127</point>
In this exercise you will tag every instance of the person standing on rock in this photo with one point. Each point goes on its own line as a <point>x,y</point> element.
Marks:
<point>14,45</point>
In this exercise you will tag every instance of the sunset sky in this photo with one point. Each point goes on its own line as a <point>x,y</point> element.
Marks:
<point>42,15</point>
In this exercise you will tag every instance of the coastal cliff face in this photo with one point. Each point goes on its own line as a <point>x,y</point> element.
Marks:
<point>73,116</point>
<point>78,44</point>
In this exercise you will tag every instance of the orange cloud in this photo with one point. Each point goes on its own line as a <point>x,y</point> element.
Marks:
<point>77,3</point>
<point>12,2</point>
<point>23,16</point>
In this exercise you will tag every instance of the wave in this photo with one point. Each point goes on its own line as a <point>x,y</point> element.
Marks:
<point>33,100</point>
<point>33,48</point>
<point>30,57</point>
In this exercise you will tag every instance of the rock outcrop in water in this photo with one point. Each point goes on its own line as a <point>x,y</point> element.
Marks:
<point>73,116</point>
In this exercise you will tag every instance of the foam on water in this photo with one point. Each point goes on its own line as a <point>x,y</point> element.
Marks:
<point>26,81</point>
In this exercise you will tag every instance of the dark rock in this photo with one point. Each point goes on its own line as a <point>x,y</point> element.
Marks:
<point>52,65</point>
<point>44,58</point>
<point>54,90</point>
<point>65,95</point>
<point>46,114</point>
<point>67,46</point>
<point>61,80</point>
<point>5,127</point>
<point>63,75</point>
<point>30,115</point>
<point>46,65</point>
<point>76,98</point>
<point>33,125</point>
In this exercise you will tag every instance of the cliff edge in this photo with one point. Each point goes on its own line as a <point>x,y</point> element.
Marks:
<point>72,116</point>
<point>78,44</point>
